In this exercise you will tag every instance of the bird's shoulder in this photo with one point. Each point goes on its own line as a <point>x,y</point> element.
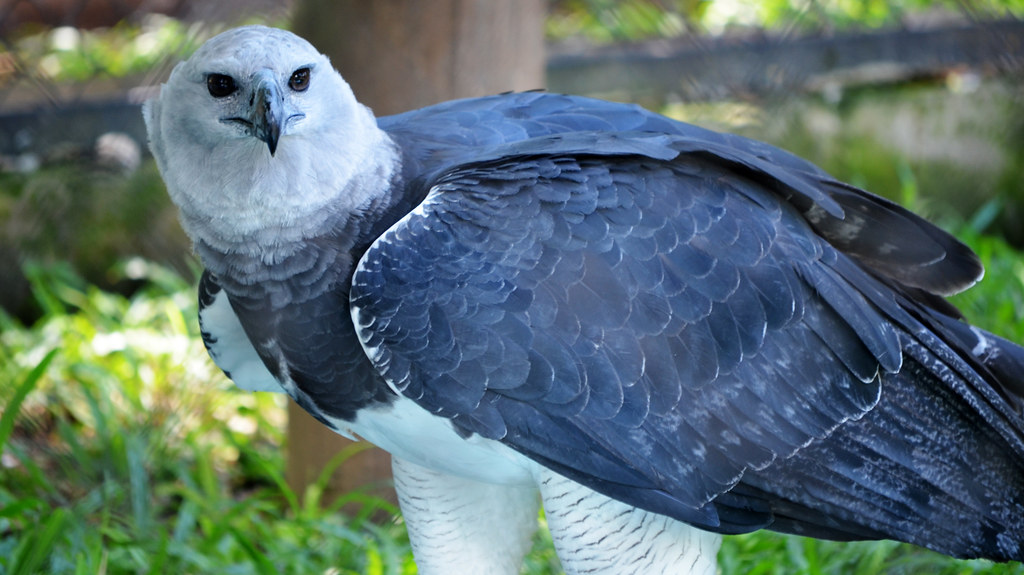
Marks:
<point>462,130</point>
<point>442,141</point>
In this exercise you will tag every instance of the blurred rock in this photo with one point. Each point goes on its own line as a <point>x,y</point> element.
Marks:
<point>118,151</point>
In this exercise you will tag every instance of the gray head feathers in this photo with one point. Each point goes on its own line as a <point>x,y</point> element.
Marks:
<point>261,142</point>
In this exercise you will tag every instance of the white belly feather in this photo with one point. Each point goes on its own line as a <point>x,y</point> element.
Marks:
<point>409,432</point>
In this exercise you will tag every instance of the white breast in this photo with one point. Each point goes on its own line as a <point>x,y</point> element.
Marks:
<point>411,433</point>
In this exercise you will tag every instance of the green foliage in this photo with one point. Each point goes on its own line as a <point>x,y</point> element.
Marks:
<point>604,21</point>
<point>70,54</point>
<point>125,451</point>
<point>74,211</point>
<point>767,553</point>
<point>87,216</point>
<point>996,303</point>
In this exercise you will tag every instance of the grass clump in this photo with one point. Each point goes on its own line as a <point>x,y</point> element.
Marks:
<point>125,451</point>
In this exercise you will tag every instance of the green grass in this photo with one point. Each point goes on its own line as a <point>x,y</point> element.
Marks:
<point>606,21</point>
<point>997,302</point>
<point>125,451</point>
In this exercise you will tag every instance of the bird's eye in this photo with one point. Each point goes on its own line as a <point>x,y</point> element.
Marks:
<point>220,85</point>
<point>299,80</point>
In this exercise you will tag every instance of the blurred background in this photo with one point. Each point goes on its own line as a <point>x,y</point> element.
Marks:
<point>125,451</point>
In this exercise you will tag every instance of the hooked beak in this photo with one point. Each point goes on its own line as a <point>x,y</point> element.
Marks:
<point>267,115</point>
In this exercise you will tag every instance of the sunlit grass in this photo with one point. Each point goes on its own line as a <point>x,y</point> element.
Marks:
<point>130,453</point>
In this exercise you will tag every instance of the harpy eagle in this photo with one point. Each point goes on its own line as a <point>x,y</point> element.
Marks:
<point>669,333</point>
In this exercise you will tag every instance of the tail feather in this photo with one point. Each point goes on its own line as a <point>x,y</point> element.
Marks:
<point>925,466</point>
<point>1000,360</point>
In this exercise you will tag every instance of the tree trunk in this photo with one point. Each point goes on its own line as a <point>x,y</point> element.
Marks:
<point>400,55</point>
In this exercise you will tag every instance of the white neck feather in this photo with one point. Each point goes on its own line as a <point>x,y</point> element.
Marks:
<point>252,201</point>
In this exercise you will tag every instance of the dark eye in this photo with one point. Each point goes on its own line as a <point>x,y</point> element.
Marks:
<point>299,80</point>
<point>220,85</point>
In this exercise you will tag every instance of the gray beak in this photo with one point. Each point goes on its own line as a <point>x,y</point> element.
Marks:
<point>267,111</point>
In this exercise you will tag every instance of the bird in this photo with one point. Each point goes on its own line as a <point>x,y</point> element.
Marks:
<point>659,333</point>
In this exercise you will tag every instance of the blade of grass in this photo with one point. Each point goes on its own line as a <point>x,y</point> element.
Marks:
<point>263,565</point>
<point>157,564</point>
<point>44,296</point>
<point>34,474</point>
<point>26,387</point>
<point>278,478</point>
<point>314,493</point>
<point>185,522</point>
<point>984,216</point>
<point>138,481</point>
<point>389,553</point>
<point>20,507</point>
<point>37,546</point>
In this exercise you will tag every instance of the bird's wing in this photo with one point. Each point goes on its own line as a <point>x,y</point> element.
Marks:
<point>639,313</point>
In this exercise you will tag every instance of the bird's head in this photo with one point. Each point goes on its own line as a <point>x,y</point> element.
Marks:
<point>256,133</point>
<point>248,85</point>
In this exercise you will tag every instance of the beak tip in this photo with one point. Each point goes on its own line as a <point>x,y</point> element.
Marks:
<point>268,115</point>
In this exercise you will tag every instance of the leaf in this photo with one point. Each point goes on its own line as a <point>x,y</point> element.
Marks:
<point>263,565</point>
<point>38,546</point>
<point>26,387</point>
